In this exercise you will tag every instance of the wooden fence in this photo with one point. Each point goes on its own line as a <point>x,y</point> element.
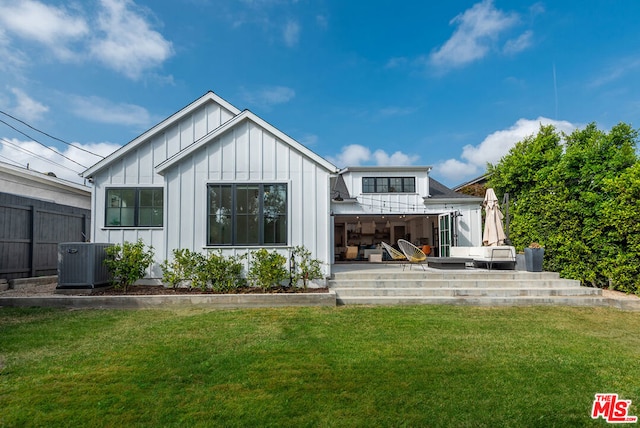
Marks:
<point>30,231</point>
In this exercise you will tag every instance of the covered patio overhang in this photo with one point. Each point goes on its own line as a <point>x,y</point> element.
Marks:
<point>368,231</point>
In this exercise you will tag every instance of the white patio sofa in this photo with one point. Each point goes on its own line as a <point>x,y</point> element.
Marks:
<point>504,255</point>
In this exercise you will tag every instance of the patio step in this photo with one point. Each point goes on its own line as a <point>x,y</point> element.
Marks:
<point>384,285</point>
<point>468,292</point>
<point>450,283</point>
<point>478,301</point>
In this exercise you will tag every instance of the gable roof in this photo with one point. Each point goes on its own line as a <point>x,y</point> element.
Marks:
<point>245,115</point>
<point>440,192</point>
<point>133,144</point>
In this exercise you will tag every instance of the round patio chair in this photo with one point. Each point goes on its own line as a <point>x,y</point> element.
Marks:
<point>413,254</point>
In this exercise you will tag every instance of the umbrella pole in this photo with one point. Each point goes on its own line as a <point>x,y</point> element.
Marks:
<point>505,203</point>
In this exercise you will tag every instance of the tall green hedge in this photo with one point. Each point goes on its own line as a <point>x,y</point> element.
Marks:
<point>579,196</point>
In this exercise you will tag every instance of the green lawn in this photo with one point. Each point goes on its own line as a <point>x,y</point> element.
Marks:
<point>346,366</point>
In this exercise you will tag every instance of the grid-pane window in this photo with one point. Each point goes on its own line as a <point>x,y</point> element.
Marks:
<point>395,184</point>
<point>134,207</point>
<point>220,214</point>
<point>275,214</point>
<point>247,214</point>
<point>150,211</point>
<point>409,185</point>
<point>388,185</point>
<point>368,185</point>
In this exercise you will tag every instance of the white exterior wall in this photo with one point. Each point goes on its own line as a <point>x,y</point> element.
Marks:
<point>32,184</point>
<point>380,203</point>
<point>136,169</point>
<point>248,153</point>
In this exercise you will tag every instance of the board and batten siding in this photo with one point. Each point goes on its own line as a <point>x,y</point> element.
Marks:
<point>247,153</point>
<point>137,169</point>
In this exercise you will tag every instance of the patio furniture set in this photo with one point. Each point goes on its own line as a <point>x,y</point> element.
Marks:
<point>489,257</point>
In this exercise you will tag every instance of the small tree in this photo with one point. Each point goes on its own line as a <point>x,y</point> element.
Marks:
<point>267,268</point>
<point>306,268</point>
<point>128,262</point>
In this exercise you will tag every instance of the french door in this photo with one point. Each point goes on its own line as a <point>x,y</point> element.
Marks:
<point>445,222</point>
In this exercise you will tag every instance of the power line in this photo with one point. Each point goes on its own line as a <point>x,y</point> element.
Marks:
<point>48,148</point>
<point>51,136</point>
<point>10,160</point>
<point>5,141</point>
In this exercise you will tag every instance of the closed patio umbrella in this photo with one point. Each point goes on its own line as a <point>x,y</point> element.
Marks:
<point>493,231</point>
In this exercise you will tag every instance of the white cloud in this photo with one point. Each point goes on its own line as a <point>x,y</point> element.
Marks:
<point>291,33</point>
<point>51,26</point>
<point>397,158</point>
<point>269,96</point>
<point>27,108</point>
<point>104,111</point>
<point>44,160</point>
<point>519,44</point>
<point>120,36</point>
<point>474,159</point>
<point>126,42</point>
<point>477,29</point>
<point>10,59</point>
<point>308,140</point>
<point>355,155</point>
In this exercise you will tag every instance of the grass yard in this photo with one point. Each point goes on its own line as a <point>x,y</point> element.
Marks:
<point>346,366</point>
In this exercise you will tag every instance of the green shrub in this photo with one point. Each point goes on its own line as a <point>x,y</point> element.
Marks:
<point>184,267</point>
<point>222,273</point>
<point>204,272</point>
<point>305,268</point>
<point>267,269</point>
<point>128,262</point>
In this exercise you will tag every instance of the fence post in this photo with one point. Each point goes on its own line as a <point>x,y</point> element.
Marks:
<point>34,231</point>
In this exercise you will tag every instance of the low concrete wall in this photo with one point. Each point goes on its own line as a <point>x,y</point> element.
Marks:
<point>213,301</point>
<point>21,283</point>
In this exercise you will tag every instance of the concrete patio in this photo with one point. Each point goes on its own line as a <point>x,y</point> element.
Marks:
<point>389,284</point>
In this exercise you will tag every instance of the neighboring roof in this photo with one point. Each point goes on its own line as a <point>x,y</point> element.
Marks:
<point>245,115</point>
<point>41,177</point>
<point>133,144</point>
<point>478,180</point>
<point>439,192</point>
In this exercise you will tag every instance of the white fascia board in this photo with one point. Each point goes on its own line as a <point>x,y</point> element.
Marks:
<point>245,115</point>
<point>376,169</point>
<point>209,96</point>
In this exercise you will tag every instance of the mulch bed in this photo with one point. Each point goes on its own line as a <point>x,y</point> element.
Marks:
<point>140,290</point>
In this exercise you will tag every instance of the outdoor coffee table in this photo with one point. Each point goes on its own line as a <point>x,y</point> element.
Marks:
<point>448,262</point>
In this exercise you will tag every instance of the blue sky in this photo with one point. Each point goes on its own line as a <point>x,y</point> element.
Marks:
<point>452,85</point>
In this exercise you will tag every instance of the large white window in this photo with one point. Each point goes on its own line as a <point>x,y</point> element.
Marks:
<point>134,207</point>
<point>247,214</point>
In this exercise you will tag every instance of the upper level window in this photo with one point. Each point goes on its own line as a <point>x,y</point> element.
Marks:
<point>247,214</point>
<point>388,185</point>
<point>134,207</point>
